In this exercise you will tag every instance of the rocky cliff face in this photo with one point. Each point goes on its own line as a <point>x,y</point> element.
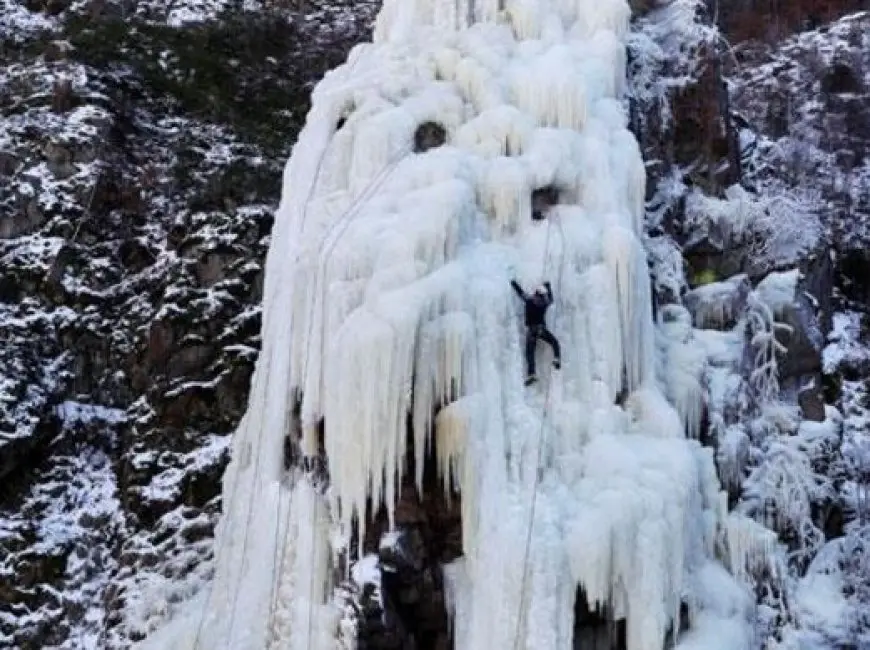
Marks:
<point>141,148</point>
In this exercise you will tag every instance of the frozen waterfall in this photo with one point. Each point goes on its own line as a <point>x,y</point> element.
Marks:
<point>387,298</point>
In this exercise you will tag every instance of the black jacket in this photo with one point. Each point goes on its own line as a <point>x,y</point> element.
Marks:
<point>536,306</point>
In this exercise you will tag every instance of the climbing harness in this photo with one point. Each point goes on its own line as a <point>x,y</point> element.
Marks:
<point>540,448</point>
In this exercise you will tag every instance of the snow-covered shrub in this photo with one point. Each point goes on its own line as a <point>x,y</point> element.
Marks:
<point>832,600</point>
<point>785,486</point>
<point>779,491</point>
<point>774,228</point>
<point>784,225</point>
<point>664,51</point>
<point>761,332</point>
<point>666,267</point>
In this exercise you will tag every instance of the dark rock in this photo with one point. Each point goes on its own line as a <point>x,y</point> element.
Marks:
<point>8,163</point>
<point>853,274</point>
<point>135,255</point>
<point>641,7</point>
<point>817,280</point>
<point>805,337</point>
<point>704,138</point>
<point>428,136</point>
<point>804,344</point>
<point>747,19</point>
<point>841,78</point>
<point>24,221</point>
<point>189,359</point>
<point>63,98</point>
<point>543,199</point>
<point>428,536</point>
<point>596,629</point>
<point>212,267</point>
<point>812,403</point>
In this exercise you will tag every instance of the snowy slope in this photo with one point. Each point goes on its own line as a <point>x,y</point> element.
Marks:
<point>387,294</point>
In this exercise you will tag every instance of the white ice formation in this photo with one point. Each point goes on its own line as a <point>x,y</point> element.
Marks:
<point>387,296</point>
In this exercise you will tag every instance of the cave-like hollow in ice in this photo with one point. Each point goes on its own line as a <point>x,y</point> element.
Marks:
<point>405,212</point>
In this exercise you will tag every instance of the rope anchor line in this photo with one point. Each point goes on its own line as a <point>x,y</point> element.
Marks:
<point>540,447</point>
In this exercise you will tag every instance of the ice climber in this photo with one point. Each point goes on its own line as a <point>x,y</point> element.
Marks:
<point>536,328</point>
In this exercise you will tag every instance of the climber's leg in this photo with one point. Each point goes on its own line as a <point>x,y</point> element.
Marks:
<point>547,336</point>
<point>531,344</point>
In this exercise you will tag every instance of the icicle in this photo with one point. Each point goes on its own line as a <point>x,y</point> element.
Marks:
<point>453,426</point>
<point>442,357</point>
<point>598,191</point>
<point>750,546</point>
<point>628,164</point>
<point>365,426</point>
<point>684,367</point>
<point>475,83</point>
<point>500,131</point>
<point>379,143</point>
<point>627,546</point>
<point>543,90</point>
<point>524,17</point>
<point>439,103</point>
<point>612,15</point>
<point>505,194</point>
<point>627,262</point>
<point>602,312</point>
<point>549,158</point>
<point>446,60</point>
<point>652,415</point>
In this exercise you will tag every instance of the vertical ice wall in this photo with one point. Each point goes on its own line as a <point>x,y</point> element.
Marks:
<point>387,294</point>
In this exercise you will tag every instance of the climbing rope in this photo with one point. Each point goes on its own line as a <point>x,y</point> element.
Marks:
<point>280,533</point>
<point>327,248</point>
<point>249,517</point>
<point>221,545</point>
<point>540,447</point>
<point>311,576</point>
<point>220,553</point>
<point>281,546</point>
<point>221,550</point>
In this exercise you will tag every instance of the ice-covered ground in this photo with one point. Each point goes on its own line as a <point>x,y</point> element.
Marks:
<point>387,293</point>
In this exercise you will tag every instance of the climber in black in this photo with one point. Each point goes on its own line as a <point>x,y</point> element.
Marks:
<point>536,328</point>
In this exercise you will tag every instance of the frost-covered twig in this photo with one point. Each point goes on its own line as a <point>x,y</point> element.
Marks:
<point>762,329</point>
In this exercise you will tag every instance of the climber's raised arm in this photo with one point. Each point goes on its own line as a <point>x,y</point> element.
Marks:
<point>549,292</point>
<point>519,290</point>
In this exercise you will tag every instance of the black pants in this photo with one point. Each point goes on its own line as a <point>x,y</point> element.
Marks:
<point>534,333</point>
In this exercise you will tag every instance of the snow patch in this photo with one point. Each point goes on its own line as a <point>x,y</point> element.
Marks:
<point>79,413</point>
<point>844,342</point>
